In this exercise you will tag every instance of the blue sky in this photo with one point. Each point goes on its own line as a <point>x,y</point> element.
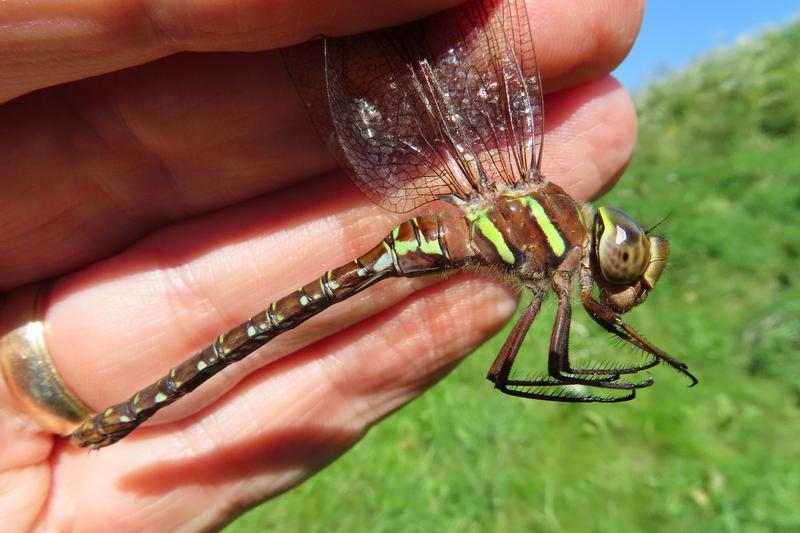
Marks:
<point>675,31</point>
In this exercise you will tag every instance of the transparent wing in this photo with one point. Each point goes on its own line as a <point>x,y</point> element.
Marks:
<point>450,105</point>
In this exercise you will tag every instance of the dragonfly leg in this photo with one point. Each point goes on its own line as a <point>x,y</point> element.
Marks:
<point>558,364</point>
<point>501,368</point>
<point>540,389</point>
<point>613,323</point>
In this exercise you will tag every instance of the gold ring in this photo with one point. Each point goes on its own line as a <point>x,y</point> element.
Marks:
<point>27,367</point>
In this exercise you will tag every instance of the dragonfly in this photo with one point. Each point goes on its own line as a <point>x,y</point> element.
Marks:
<point>450,110</point>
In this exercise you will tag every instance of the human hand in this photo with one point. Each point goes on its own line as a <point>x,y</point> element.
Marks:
<point>172,199</point>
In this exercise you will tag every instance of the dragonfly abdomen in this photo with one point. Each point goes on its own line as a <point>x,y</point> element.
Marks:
<point>418,246</point>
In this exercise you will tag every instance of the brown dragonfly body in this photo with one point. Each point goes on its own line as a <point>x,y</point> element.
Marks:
<point>448,109</point>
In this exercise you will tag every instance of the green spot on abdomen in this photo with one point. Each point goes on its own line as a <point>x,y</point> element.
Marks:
<point>431,247</point>
<point>384,261</point>
<point>403,247</point>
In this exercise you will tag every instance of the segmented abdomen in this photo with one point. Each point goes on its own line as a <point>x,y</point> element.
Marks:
<point>415,247</point>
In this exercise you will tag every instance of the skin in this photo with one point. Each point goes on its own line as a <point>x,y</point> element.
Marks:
<point>172,195</point>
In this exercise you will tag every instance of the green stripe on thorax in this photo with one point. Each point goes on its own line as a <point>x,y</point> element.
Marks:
<point>482,223</point>
<point>554,238</point>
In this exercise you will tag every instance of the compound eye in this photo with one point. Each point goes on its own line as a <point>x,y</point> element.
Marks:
<point>623,248</point>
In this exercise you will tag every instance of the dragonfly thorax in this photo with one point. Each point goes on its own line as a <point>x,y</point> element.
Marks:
<point>529,232</point>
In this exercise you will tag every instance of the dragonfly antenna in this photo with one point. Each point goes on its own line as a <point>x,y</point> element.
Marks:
<point>651,228</point>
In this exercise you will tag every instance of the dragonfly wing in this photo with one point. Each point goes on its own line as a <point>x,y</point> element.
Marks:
<point>495,85</point>
<point>447,106</point>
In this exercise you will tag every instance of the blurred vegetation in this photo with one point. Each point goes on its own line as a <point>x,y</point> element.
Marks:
<point>719,152</point>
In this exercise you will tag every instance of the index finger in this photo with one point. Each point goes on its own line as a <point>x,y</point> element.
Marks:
<point>46,44</point>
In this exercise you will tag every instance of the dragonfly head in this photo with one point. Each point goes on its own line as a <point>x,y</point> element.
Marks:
<point>626,262</point>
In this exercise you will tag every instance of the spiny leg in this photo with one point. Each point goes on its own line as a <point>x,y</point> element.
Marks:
<point>501,368</point>
<point>559,366</point>
<point>535,389</point>
<point>613,323</point>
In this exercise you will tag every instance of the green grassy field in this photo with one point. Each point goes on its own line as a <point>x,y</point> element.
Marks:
<point>720,153</point>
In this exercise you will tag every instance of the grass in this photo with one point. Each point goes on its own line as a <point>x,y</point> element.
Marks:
<point>718,153</point>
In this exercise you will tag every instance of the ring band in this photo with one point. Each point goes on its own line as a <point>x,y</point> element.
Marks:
<point>27,367</point>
